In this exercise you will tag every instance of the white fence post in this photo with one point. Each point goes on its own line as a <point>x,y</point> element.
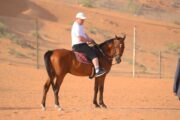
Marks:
<point>134,51</point>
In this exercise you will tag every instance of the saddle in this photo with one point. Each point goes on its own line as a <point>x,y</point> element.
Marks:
<point>82,58</point>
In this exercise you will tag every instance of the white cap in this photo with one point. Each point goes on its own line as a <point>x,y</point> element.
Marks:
<point>80,15</point>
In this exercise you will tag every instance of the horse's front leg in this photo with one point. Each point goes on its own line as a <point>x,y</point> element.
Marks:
<point>101,90</point>
<point>95,93</point>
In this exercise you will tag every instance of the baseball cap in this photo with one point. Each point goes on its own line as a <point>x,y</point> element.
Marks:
<point>80,15</point>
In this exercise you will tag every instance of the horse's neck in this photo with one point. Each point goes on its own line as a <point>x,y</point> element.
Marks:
<point>103,47</point>
<point>104,57</point>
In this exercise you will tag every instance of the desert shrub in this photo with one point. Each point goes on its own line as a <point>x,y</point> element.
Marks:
<point>17,40</point>
<point>128,60</point>
<point>177,22</point>
<point>93,30</point>
<point>87,3</point>
<point>174,47</point>
<point>142,67</point>
<point>13,37</point>
<point>133,7</point>
<point>35,34</point>
<point>3,29</point>
<point>16,53</point>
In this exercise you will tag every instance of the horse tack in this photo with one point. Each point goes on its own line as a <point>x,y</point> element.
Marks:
<point>81,58</point>
<point>60,62</point>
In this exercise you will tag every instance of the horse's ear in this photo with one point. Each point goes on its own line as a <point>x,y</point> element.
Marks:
<point>116,36</point>
<point>123,35</point>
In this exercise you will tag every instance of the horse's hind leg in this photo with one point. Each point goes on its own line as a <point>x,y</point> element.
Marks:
<point>57,86</point>
<point>45,90</point>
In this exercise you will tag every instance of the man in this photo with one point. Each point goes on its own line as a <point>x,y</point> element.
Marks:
<point>80,41</point>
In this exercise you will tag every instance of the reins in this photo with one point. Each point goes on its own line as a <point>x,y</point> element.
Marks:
<point>109,59</point>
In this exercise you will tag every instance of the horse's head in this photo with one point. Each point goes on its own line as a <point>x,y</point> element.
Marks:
<point>114,48</point>
<point>119,47</point>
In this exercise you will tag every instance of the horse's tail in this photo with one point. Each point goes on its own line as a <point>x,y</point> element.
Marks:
<point>48,64</point>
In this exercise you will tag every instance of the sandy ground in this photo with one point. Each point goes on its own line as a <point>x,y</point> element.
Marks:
<point>126,98</point>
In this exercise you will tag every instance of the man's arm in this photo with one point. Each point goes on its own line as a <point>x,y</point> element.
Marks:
<point>82,39</point>
<point>89,39</point>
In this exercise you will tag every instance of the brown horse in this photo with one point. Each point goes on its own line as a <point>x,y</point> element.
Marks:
<point>61,61</point>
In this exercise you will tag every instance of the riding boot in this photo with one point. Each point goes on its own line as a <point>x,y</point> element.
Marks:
<point>99,72</point>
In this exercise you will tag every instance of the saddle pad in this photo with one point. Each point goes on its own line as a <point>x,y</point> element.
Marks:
<point>81,58</point>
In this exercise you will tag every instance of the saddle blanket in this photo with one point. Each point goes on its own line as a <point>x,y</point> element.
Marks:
<point>81,58</point>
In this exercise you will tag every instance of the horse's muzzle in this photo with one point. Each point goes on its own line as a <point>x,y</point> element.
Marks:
<point>118,59</point>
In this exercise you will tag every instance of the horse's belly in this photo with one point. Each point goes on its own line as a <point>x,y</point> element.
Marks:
<point>81,69</point>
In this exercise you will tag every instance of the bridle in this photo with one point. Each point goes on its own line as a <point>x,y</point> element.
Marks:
<point>115,56</point>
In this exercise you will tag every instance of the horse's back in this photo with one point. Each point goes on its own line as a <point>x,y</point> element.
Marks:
<point>61,57</point>
<point>64,61</point>
<point>62,54</point>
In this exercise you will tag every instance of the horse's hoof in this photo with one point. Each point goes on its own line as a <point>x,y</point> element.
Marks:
<point>58,107</point>
<point>43,108</point>
<point>97,106</point>
<point>104,106</point>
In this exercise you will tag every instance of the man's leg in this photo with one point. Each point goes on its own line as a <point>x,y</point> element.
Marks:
<point>88,51</point>
<point>95,62</point>
<point>99,71</point>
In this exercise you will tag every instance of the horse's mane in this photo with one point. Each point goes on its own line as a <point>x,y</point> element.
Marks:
<point>105,42</point>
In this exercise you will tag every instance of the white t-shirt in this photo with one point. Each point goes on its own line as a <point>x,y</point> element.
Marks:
<point>76,31</point>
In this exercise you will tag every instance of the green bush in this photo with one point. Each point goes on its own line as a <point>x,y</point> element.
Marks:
<point>142,67</point>
<point>35,34</point>
<point>93,30</point>
<point>16,53</point>
<point>87,3</point>
<point>174,47</point>
<point>3,29</point>
<point>129,60</point>
<point>15,39</point>
<point>177,22</point>
<point>131,7</point>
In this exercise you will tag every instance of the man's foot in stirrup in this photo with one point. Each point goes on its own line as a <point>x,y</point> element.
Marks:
<point>100,72</point>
